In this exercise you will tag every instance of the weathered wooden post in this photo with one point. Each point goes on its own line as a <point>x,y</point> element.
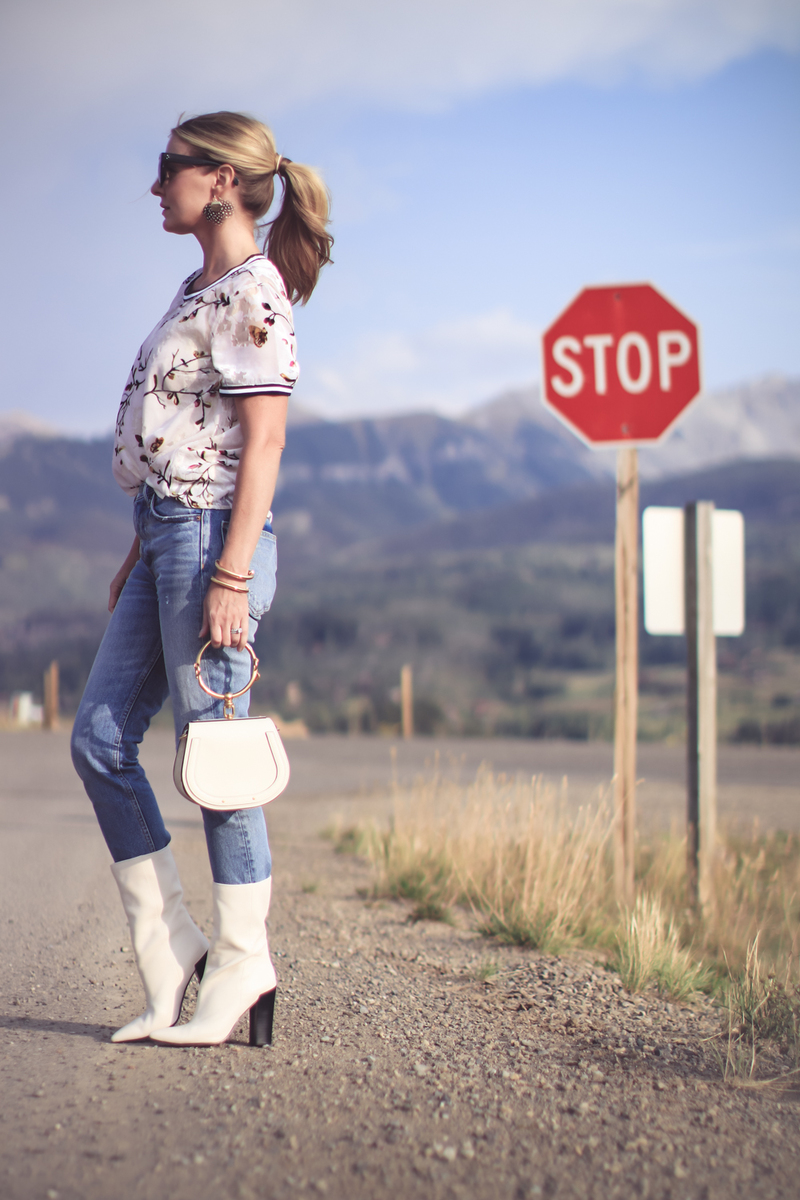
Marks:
<point>701,731</point>
<point>407,701</point>
<point>694,584</point>
<point>626,584</point>
<point>50,714</point>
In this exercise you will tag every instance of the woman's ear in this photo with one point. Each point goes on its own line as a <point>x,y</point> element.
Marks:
<point>226,177</point>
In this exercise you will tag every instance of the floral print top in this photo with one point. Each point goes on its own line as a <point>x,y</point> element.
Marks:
<point>177,428</point>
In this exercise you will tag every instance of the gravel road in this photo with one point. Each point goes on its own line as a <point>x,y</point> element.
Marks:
<point>397,1069</point>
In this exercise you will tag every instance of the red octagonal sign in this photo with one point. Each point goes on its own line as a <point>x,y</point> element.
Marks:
<point>621,364</point>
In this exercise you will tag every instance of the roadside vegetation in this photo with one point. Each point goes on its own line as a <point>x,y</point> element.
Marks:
<point>509,641</point>
<point>531,870</point>
<point>514,642</point>
<point>760,1009</point>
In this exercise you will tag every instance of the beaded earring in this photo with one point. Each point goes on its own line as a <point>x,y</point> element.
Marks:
<point>217,210</point>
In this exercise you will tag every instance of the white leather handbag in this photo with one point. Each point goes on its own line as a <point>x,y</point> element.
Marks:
<point>227,764</point>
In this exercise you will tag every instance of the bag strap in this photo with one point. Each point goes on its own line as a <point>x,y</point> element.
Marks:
<point>228,709</point>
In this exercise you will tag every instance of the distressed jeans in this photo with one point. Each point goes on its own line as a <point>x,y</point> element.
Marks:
<point>147,654</point>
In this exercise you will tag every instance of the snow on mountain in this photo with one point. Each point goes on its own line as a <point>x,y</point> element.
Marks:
<point>759,419</point>
<point>19,424</point>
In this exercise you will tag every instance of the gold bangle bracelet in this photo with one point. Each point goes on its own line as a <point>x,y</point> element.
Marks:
<point>230,586</point>
<point>232,574</point>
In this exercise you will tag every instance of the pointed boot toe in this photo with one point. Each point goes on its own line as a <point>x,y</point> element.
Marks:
<point>239,975</point>
<point>167,945</point>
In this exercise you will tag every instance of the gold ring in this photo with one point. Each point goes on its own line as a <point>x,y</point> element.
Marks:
<point>227,696</point>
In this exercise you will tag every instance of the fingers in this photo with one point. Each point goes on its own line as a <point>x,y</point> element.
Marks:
<point>217,634</point>
<point>227,635</point>
<point>233,635</point>
<point>220,631</point>
<point>223,625</point>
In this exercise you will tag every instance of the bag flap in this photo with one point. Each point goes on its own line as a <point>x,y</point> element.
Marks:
<point>233,764</point>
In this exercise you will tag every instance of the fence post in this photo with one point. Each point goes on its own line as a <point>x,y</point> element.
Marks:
<point>50,714</point>
<point>407,701</point>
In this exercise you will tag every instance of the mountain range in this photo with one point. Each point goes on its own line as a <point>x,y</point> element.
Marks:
<point>453,540</point>
<point>755,420</point>
<point>362,480</point>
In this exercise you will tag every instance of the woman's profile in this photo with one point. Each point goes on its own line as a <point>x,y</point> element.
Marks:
<point>198,442</point>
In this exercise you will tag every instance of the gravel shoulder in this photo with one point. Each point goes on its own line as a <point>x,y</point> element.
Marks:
<point>396,1070</point>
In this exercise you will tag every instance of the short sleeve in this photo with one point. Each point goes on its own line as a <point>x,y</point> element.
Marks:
<point>252,341</point>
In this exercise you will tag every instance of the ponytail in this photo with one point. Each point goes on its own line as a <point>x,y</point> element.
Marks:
<point>297,241</point>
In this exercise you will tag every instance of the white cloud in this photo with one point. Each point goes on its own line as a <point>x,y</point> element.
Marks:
<point>412,54</point>
<point>447,368</point>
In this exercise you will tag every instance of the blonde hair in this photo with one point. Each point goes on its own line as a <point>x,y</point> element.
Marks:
<point>297,241</point>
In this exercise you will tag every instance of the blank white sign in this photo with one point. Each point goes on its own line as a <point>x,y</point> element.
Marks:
<point>727,566</point>
<point>662,537</point>
<point>662,561</point>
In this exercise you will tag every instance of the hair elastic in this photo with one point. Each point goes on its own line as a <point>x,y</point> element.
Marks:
<point>278,162</point>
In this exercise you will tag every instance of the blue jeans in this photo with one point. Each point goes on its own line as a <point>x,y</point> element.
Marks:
<point>147,654</point>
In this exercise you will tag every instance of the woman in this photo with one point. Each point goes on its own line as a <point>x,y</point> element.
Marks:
<point>198,442</point>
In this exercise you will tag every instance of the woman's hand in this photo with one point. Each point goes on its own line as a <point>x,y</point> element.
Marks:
<point>226,617</point>
<point>119,580</point>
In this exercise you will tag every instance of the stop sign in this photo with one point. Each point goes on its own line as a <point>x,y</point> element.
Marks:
<point>620,364</point>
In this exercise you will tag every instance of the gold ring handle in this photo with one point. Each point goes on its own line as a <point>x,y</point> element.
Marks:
<point>228,697</point>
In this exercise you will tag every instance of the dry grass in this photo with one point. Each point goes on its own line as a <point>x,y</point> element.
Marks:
<point>533,874</point>
<point>536,873</point>
<point>649,951</point>
<point>760,1012</point>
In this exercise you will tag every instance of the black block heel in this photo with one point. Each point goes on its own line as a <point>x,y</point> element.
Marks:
<point>261,1016</point>
<point>199,970</point>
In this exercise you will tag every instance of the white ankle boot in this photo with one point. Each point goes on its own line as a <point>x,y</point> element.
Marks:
<point>239,974</point>
<point>167,944</point>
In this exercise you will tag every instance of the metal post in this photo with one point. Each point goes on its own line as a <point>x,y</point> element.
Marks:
<point>50,714</point>
<point>626,580</point>
<point>407,701</point>
<point>701,723</point>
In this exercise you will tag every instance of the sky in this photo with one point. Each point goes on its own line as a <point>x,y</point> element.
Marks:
<point>485,163</point>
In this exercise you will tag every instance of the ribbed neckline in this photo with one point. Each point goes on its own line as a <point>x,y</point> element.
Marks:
<point>187,295</point>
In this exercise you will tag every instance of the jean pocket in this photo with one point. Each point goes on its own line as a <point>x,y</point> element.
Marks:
<point>264,565</point>
<point>168,511</point>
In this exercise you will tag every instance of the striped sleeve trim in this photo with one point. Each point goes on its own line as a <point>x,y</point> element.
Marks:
<point>258,389</point>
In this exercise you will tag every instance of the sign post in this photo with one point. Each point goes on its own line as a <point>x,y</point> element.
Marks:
<point>626,694</point>
<point>694,584</point>
<point>701,724</point>
<point>621,364</point>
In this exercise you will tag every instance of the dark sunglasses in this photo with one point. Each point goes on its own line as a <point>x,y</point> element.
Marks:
<point>167,161</point>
